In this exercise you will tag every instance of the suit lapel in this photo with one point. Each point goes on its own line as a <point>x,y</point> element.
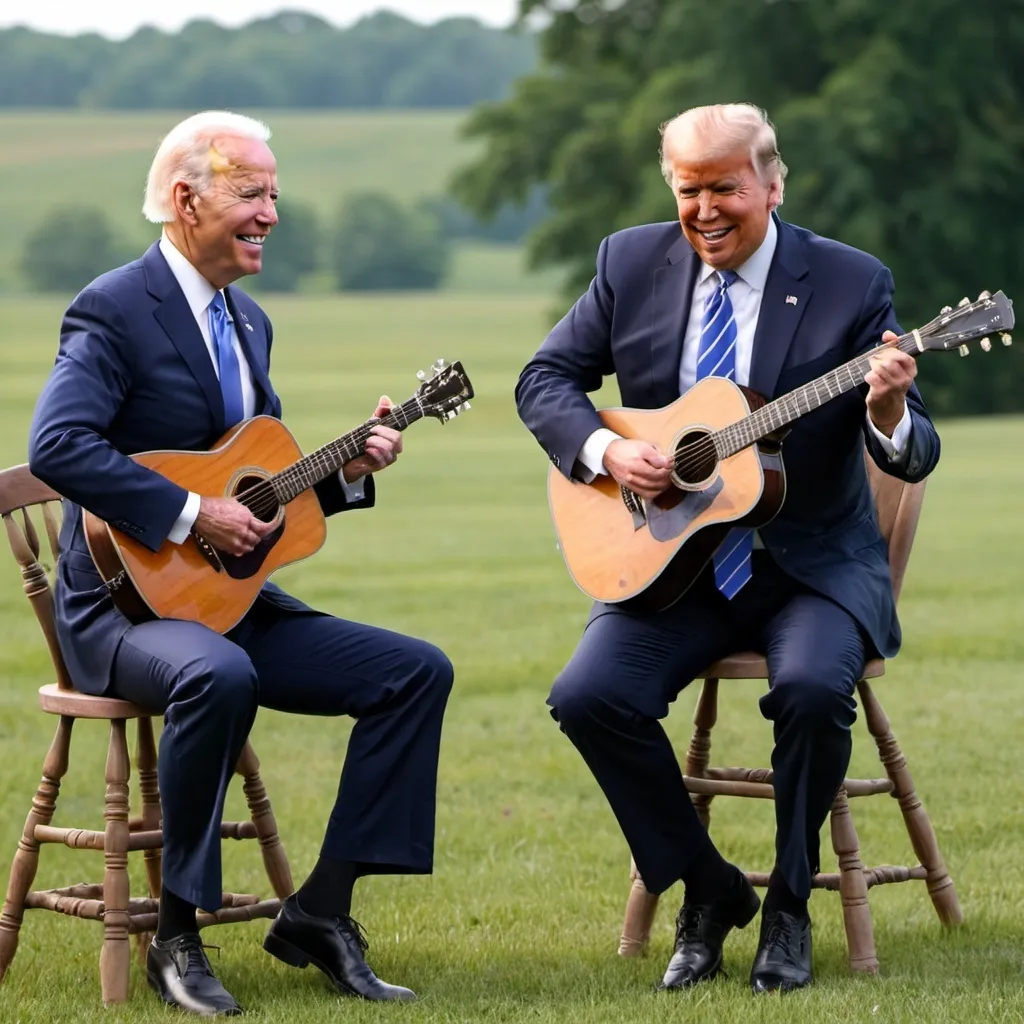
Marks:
<point>175,316</point>
<point>785,298</point>
<point>247,331</point>
<point>673,289</point>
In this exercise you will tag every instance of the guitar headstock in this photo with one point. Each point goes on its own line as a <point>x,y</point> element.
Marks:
<point>956,327</point>
<point>445,392</point>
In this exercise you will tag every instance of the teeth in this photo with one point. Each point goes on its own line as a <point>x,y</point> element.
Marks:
<point>255,239</point>
<point>713,235</point>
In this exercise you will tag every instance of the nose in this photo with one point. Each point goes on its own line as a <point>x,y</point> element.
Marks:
<point>706,209</point>
<point>268,215</point>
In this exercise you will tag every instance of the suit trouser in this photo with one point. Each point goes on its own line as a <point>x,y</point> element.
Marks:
<point>209,686</point>
<point>628,668</point>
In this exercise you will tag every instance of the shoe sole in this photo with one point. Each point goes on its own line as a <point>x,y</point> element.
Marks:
<point>295,957</point>
<point>154,984</point>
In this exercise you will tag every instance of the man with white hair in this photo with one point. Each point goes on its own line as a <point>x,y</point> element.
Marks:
<point>739,294</point>
<point>153,355</point>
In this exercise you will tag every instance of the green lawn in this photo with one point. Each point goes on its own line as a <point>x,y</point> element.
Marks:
<point>60,158</point>
<point>520,920</point>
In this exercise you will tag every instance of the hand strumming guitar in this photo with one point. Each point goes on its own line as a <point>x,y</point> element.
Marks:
<point>229,526</point>
<point>383,446</point>
<point>638,466</point>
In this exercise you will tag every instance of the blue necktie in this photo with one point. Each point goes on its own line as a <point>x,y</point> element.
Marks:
<point>222,331</point>
<point>716,357</point>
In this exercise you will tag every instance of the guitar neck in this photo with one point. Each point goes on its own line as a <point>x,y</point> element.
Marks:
<point>319,465</point>
<point>783,411</point>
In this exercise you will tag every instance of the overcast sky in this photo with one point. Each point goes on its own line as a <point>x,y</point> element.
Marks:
<point>119,18</point>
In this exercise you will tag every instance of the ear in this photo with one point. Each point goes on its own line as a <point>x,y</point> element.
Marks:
<point>183,198</point>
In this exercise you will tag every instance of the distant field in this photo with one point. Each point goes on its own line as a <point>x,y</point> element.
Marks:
<point>54,158</point>
<point>520,921</point>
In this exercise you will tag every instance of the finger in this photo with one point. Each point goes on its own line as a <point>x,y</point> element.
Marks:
<point>384,406</point>
<point>387,433</point>
<point>890,338</point>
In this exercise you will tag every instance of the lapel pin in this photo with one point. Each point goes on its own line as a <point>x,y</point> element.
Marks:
<point>791,300</point>
<point>248,326</point>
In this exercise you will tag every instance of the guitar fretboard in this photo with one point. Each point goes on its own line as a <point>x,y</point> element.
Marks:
<point>775,415</point>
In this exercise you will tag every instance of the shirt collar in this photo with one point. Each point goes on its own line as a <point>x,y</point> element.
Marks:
<point>754,271</point>
<point>198,291</point>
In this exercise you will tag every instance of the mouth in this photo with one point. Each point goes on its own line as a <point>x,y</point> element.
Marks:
<point>252,239</point>
<point>714,236</point>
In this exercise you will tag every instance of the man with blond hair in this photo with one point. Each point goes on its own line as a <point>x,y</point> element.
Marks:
<point>739,293</point>
<point>167,353</point>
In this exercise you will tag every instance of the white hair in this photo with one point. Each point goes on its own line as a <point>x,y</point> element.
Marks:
<point>185,155</point>
<point>723,128</point>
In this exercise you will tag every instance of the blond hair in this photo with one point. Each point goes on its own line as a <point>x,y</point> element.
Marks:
<point>724,128</point>
<point>186,154</point>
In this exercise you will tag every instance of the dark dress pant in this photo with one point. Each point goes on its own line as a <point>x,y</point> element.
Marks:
<point>629,667</point>
<point>208,688</point>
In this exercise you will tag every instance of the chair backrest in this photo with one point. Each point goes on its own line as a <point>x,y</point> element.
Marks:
<point>22,495</point>
<point>898,505</point>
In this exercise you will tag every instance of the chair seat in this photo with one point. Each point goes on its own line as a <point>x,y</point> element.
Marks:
<point>748,665</point>
<point>57,701</point>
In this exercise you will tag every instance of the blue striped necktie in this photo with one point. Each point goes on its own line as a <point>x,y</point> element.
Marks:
<point>716,357</point>
<point>222,330</point>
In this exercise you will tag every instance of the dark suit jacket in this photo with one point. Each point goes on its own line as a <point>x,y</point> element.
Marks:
<point>133,374</point>
<point>631,322</point>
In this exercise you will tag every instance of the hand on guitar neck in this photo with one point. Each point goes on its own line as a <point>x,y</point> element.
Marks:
<point>382,447</point>
<point>892,373</point>
<point>638,466</point>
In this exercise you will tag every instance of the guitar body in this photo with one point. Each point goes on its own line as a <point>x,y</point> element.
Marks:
<point>648,560</point>
<point>180,581</point>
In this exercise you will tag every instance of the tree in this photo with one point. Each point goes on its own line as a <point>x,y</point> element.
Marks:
<point>292,249</point>
<point>379,245</point>
<point>70,247</point>
<point>903,140</point>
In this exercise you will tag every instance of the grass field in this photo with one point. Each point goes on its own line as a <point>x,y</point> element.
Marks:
<point>60,158</point>
<point>520,920</point>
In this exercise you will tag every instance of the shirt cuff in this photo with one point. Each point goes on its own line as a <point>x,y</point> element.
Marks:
<point>355,491</point>
<point>186,520</point>
<point>896,446</point>
<point>591,455</point>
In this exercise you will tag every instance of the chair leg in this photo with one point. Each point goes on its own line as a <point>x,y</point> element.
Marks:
<point>919,826</point>
<point>698,754</point>
<point>116,953</point>
<point>26,860</point>
<point>274,858</point>
<point>853,888</point>
<point>640,909</point>
<point>149,791</point>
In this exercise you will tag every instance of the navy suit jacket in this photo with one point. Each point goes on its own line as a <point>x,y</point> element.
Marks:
<point>632,321</point>
<point>133,374</point>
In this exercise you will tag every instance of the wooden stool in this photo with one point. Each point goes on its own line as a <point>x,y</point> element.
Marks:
<point>109,901</point>
<point>898,506</point>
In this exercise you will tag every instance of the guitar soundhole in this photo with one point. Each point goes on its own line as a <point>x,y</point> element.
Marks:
<point>262,503</point>
<point>695,459</point>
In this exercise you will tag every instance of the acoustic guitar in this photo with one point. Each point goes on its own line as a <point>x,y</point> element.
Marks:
<point>259,463</point>
<point>727,470</point>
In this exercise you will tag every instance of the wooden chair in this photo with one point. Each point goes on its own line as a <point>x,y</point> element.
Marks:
<point>108,902</point>
<point>898,507</point>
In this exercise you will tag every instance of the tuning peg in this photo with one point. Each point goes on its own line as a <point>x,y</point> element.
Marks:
<point>986,344</point>
<point>964,302</point>
<point>964,350</point>
<point>946,309</point>
<point>984,294</point>
<point>421,375</point>
<point>439,364</point>
<point>466,405</point>
<point>1005,337</point>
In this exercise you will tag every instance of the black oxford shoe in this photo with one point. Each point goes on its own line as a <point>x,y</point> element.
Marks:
<point>701,932</point>
<point>334,944</point>
<point>783,960</point>
<point>181,975</point>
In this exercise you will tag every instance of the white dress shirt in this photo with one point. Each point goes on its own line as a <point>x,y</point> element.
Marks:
<point>745,294</point>
<point>199,294</point>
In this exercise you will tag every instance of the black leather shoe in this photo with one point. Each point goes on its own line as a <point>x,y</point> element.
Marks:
<point>783,960</point>
<point>334,944</point>
<point>701,932</point>
<point>181,975</point>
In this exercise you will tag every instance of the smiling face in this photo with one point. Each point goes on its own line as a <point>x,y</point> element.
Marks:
<point>221,230</point>
<point>723,206</point>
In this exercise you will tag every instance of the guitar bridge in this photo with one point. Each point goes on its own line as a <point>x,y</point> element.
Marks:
<point>634,506</point>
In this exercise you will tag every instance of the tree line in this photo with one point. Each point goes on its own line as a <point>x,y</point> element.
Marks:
<point>291,60</point>
<point>900,122</point>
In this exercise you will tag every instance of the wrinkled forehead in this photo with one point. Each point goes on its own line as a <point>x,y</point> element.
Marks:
<point>240,159</point>
<point>696,159</point>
